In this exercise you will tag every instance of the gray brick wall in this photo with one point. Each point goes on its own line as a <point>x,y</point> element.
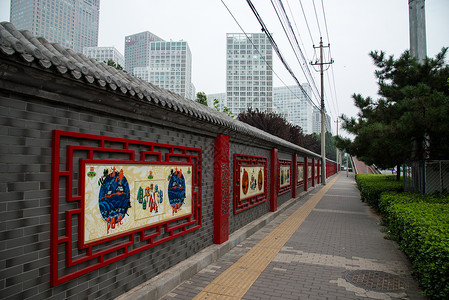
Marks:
<point>26,126</point>
<point>25,171</point>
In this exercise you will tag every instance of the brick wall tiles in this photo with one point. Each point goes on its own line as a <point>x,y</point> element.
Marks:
<point>25,191</point>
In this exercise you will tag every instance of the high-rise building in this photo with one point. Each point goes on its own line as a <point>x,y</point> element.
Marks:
<point>192,92</point>
<point>221,97</point>
<point>73,24</point>
<point>169,67</point>
<point>295,105</point>
<point>317,121</point>
<point>249,75</point>
<point>105,54</point>
<point>137,50</point>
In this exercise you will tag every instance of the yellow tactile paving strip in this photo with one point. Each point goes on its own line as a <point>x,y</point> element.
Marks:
<point>237,279</point>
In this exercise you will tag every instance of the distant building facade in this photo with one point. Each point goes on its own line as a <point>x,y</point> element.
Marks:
<point>105,54</point>
<point>169,67</point>
<point>192,92</point>
<point>249,75</point>
<point>73,24</point>
<point>221,97</point>
<point>295,105</point>
<point>317,122</point>
<point>137,50</point>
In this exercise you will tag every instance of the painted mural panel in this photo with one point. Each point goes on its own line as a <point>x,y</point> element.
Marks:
<point>119,198</point>
<point>252,181</point>
<point>300,172</point>
<point>284,177</point>
<point>309,172</point>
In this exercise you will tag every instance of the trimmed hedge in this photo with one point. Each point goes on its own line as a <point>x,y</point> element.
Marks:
<point>372,186</point>
<point>420,224</point>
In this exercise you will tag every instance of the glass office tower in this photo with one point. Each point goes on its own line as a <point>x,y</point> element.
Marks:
<point>73,24</point>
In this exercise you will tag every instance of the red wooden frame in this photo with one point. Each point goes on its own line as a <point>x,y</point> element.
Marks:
<point>241,160</point>
<point>285,189</point>
<point>70,258</point>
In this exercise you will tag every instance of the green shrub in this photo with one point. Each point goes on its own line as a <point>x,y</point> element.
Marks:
<point>420,224</point>
<point>372,186</point>
<point>390,197</point>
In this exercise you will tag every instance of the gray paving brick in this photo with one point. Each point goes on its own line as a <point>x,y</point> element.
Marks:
<point>341,234</point>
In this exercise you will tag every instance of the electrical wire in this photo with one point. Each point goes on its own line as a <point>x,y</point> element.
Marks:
<point>297,30</point>
<point>332,66</point>
<point>316,16</point>
<point>275,47</point>
<point>249,39</point>
<point>307,23</point>
<point>304,63</point>
<point>325,22</point>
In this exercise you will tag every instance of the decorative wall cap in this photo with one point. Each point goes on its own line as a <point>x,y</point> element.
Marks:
<point>37,52</point>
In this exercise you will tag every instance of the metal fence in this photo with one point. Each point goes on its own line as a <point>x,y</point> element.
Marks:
<point>427,176</point>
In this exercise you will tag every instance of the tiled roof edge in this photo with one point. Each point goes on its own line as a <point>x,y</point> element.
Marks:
<point>53,56</point>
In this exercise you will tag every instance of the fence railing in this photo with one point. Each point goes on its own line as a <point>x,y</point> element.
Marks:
<point>426,176</point>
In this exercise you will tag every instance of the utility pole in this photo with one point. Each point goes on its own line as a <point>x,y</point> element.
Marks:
<point>417,22</point>
<point>323,129</point>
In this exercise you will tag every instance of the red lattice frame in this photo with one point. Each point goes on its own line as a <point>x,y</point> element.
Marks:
<point>285,189</point>
<point>248,161</point>
<point>67,238</point>
<point>300,182</point>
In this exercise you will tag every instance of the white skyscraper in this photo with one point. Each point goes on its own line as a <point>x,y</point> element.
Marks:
<point>105,54</point>
<point>317,121</point>
<point>221,97</point>
<point>73,24</point>
<point>249,75</point>
<point>137,50</point>
<point>295,105</point>
<point>169,67</point>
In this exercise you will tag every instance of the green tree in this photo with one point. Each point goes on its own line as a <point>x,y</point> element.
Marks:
<point>226,110</point>
<point>201,98</point>
<point>112,63</point>
<point>410,120</point>
<point>277,125</point>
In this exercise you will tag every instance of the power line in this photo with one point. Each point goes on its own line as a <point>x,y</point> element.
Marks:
<point>241,28</point>
<point>275,47</point>
<point>325,22</point>
<point>330,54</point>
<point>307,23</point>
<point>304,63</point>
<point>297,30</point>
<point>316,16</point>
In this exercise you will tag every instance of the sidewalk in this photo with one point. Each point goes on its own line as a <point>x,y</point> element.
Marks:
<point>328,245</point>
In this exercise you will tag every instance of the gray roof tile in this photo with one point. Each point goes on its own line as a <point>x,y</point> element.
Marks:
<point>23,44</point>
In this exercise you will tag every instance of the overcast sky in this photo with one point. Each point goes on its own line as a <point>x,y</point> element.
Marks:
<point>354,28</point>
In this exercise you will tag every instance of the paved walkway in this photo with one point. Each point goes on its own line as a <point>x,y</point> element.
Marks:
<point>328,245</point>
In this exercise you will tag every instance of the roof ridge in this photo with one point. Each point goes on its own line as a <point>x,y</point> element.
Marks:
<point>53,56</point>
